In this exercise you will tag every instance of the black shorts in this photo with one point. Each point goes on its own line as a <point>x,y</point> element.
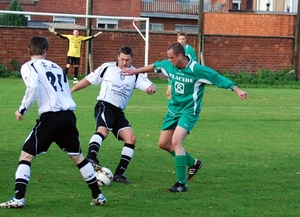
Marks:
<point>111,117</point>
<point>58,127</point>
<point>73,60</point>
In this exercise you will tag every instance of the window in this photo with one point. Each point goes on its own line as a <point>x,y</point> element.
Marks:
<point>147,0</point>
<point>186,28</point>
<point>107,23</point>
<point>153,26</point>
<point>28,17</point>
<point>236,4</point>
<point>57,19</point>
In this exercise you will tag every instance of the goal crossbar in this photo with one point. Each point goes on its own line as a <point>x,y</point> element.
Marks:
<point>145,37</point>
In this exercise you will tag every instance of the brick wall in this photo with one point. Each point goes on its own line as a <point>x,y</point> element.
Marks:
<point>232,42</point>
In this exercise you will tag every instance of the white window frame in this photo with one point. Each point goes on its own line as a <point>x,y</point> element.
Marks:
<point>60,19</point>
<point>153,26</point>
<point>107,22</point>
<point>238,2</point>
<point>185,28</point>
<point>28,17</point>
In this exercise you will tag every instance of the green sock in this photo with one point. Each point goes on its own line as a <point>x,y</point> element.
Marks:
<point>180,166</point>
<point>190,161</point>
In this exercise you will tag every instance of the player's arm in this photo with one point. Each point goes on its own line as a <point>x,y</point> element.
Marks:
<point>242,94</point>
<point>131,71</point>
<point>82,84</point>
<point>151,89</point>
<point>32,88</point>
<point>52,30</point>
<point>98,33</point>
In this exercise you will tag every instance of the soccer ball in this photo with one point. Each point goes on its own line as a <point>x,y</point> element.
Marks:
<point>104,176</point>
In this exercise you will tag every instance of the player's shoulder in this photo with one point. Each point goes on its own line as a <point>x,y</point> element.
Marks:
<point>109,64</point>
<point>162,63</point>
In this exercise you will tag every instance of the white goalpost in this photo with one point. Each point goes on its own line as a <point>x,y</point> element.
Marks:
<point>134,19</point>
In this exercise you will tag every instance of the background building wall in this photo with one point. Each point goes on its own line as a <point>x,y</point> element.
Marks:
<point>233,42</point>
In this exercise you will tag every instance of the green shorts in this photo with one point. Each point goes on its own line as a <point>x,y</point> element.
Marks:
<point>171,121</point>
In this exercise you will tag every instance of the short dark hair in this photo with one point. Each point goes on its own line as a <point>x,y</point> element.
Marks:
<point>181,34</point>
<point>126,50</point>
<point>37,45</point>
<point>177,48</point>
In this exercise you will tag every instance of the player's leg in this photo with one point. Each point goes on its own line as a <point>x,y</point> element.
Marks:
<point>22,177</point>
<point>76,68</point>
<point>87,171</point>
<point>95,145</point>
<point>37,142</point>
<point>179,159</point>
<point>126,134</point>
<point>104,121</point>
<point>188,122</point>
<point>69,63</point>
<point>67,138</point>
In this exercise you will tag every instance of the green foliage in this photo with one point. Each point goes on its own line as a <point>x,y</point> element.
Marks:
<point>13,19</point>
<point>6,73</point>
<point>264,78</point>
<point>15,65</point>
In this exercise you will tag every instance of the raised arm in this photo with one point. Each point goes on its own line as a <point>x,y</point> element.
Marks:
<point>130,71</point>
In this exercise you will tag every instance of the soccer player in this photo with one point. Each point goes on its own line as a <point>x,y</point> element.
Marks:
<point>188,79</point>
<point>47,83</point>
<point>73,56</point>
<point>189,51</point>
<point>115,92</point>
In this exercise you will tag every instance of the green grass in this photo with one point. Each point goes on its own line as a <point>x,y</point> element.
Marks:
<point>250,151</point>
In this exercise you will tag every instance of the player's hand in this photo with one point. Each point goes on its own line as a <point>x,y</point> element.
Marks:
<point>242,94</point>
<point>99,33</point>
<point>51,29</point>
<point>151,89</point>
<point>19,116</point>
<point>127,71</point>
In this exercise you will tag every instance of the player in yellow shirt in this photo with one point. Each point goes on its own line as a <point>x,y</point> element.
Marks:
<point>73,56</point>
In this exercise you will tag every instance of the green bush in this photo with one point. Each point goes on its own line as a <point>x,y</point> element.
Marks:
<point>6,73</point>
<point>264,78</point>
<point>13,19</point>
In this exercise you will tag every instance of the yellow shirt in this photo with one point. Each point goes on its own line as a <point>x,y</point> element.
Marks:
<point>75,43</point>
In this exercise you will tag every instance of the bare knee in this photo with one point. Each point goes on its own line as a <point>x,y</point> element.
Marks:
<point>77,159</point>
<point>130,140</point>
<point>165,146</point>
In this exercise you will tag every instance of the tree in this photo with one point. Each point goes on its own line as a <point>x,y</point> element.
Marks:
<point>13,19</point>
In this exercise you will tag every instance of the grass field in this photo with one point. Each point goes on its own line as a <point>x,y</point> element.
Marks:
<point>250,151</point>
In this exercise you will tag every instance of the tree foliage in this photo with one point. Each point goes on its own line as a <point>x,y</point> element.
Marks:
<point>13,19</point>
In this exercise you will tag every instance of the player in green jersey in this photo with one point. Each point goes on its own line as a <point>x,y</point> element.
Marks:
<point>188,79</point>
<point>189,51</point>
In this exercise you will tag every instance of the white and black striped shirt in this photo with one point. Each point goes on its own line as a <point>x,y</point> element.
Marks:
<point>116,88</point>
<point>45,82</point>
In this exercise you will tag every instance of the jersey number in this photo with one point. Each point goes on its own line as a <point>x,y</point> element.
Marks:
<point>52,78</point>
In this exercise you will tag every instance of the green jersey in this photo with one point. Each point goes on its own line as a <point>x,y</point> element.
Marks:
<point>190,52</point>
<point>187,85</point>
